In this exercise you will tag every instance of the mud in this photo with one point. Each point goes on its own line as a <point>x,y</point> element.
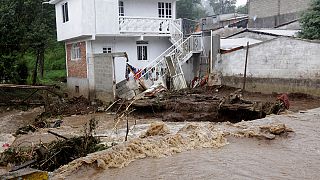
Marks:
<point>214,105</point>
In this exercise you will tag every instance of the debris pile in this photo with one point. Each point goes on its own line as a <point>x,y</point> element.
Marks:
<point>49,157</point>
<point>67,107</point>
<point>205,104</point>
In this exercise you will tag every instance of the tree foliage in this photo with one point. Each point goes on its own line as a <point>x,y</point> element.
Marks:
<point>25,26</point>
<point>191,9</point>
<point>310,22</point>
<point>243,9</point>
<point>223,6</point>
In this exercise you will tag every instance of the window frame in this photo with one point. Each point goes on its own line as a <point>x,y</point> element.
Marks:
<point>121,8</point>
<point>65,12</point>
<point>75,52</point>
<point>165,10</point>
<point>142,50</point>
<point>107,50</point>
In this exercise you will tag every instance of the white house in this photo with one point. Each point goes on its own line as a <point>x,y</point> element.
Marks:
<point>147,30</point>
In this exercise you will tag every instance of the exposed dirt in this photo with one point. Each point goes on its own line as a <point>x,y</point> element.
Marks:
<point>217,104</point>
<point>202,104</point>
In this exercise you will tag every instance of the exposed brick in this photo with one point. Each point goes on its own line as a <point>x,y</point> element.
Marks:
<point>77,68</point>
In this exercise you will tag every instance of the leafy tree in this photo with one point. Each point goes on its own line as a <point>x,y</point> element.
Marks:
<point>310,22</point>
<point>25,26</point>
<point>191,9</point>
<point>223,6</point>
<point>242,9</point>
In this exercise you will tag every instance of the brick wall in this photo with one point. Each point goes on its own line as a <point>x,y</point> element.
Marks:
<point>77,68</point>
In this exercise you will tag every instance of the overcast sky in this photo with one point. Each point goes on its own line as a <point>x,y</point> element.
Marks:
<point>241,2</point>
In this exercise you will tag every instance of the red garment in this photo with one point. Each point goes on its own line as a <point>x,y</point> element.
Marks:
<point>284,98</point>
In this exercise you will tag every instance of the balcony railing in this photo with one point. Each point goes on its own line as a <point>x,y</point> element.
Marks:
<point>144,25</point>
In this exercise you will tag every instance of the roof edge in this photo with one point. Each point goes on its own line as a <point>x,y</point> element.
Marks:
<point>54,1</point>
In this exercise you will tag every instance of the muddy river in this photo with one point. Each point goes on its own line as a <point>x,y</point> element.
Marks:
<point>296,156</point>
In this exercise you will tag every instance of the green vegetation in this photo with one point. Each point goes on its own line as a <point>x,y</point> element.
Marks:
<point>28,47</point>
<point>310,22</point>
<point>243,9</point>
<point>223,6</point>
<point>191,9</point>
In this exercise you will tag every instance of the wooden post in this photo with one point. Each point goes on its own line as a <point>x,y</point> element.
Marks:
<point>245,68</point>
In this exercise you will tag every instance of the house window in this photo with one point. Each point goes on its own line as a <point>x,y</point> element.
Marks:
<point>165,10</point>
<point>107,50</point>
<point>77,89</point>
<point>75,52</point>
<point>142,50</point>
<point>65,13</point>
<point>121,8</point>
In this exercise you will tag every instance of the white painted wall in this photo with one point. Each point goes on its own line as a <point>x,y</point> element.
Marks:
<point>107,17</point>
<point>101,17</point>
<point>278,58</point>
<point>156,46</point>
<point>145,8</point>
<point>73,28</point>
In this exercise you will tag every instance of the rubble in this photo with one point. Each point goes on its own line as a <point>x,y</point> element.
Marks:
<point>48,157</point>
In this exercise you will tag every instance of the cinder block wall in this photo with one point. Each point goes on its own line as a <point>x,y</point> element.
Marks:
<point>286,61</point>
<point>103,77</point>
<point>270,13</point>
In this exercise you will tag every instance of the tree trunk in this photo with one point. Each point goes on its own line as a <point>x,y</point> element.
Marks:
<point>35,71</point>
<point>41,62</point>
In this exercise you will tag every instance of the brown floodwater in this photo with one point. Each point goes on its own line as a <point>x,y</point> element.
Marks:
<point>296,156</point>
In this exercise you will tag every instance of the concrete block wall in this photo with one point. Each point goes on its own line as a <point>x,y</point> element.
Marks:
<point>127,89</point>
<point>278,58</point>
<point>263,8</point>
<point>267,8</point>
<point>282,64</point>
<point>103,77</point>
<point>271,13</point>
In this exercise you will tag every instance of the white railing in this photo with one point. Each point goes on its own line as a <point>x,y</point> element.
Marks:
<point>144,25</point>
<point>177,51</point>
<point>176,32</point>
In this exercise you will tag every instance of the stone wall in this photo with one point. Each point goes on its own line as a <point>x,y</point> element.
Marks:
<point>281,58</point>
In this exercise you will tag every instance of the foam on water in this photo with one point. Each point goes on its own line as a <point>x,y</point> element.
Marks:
<point>155,142</point>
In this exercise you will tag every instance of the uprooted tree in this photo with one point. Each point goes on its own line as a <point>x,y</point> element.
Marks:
<point>310,22</point>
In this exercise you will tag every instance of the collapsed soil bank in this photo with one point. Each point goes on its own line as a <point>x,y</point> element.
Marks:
<point>213,104</point>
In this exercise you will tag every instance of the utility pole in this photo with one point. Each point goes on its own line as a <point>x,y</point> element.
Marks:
<point>245,69</point>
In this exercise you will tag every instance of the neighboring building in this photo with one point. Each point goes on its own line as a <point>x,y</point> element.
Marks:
<point>224,20</point>
<point>281,64</point>
<point>272,13</point>
<point>144,29</point>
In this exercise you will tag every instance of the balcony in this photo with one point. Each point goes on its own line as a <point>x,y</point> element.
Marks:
<point>145,25</point>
